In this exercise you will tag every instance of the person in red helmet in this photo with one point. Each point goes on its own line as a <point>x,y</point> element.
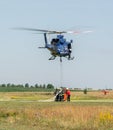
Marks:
<point>68,93</point>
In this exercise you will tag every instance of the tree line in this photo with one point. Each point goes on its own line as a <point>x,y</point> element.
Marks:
<point>44,86</point>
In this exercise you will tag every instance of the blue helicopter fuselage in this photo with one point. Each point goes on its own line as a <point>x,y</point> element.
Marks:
<point>59,46</point>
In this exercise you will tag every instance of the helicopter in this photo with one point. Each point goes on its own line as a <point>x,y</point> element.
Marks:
<point>58,46</point>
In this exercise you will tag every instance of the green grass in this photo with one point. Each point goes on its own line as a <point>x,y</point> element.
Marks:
<point>46,116</point>
<point>22,89</point>
<point>23,111</point>
<point>25,96</point>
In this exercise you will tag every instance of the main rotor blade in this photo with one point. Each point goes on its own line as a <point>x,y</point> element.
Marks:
<point>79,32</point>
<point>40,30</point>
<point>53,32</point>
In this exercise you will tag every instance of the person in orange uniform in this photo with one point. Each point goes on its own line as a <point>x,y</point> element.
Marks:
<point>65,95</point>
<point>68,93</point>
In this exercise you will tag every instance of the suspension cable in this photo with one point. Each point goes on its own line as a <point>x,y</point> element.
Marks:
<point>61,74</point>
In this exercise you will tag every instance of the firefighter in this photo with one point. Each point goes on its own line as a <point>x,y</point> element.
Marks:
<point>65,95</point>
<point>68,93</point>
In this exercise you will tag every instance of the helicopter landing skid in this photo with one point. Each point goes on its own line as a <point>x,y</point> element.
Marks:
<point>52,58</point>
<point>71,58</point>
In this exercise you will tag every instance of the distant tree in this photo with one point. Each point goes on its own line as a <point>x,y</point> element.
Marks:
<point>31,86</point>
<point>85,91</point>
<point>12,85</point>
<point>8,85</point>
<point>40,86</point>
<point>3,85</point>
<point>50,86</point>
<point>36,86</point>
<point>26,85</point>
<point>18,85</point>
<point>22,86</point>
<point>44,86</point>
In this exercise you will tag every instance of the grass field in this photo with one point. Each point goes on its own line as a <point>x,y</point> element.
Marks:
<point>25,111</point>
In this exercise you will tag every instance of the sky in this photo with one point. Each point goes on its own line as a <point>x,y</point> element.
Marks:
<point>22,62</point>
